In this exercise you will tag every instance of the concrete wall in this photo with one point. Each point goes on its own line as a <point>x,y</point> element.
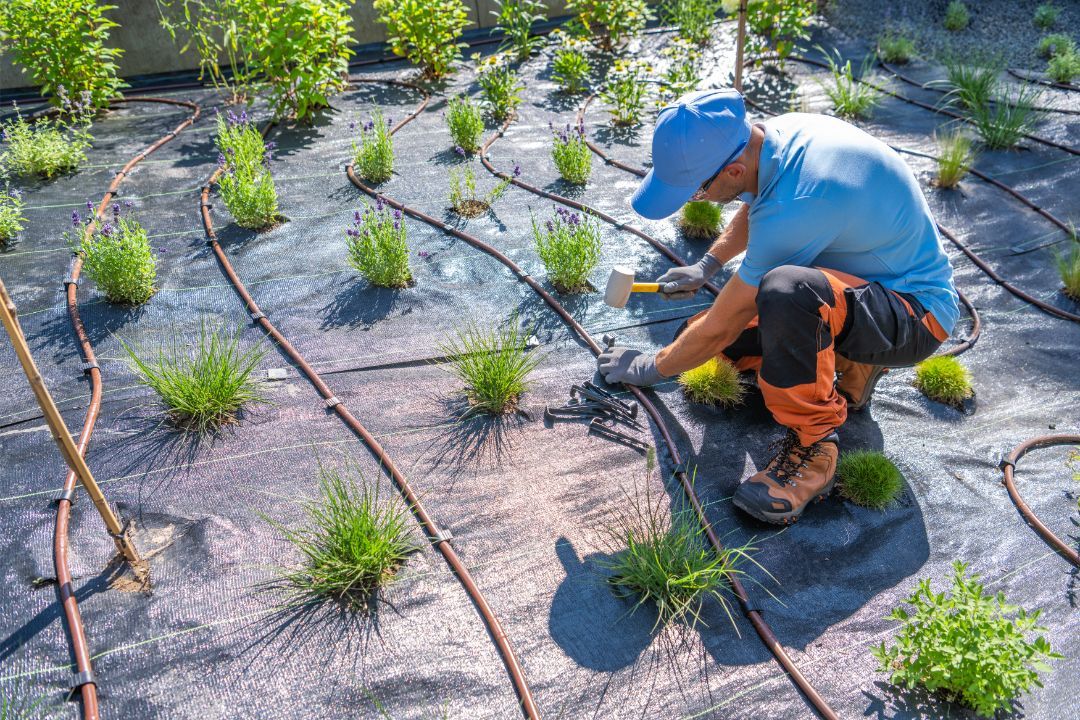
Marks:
<point>149,49</point>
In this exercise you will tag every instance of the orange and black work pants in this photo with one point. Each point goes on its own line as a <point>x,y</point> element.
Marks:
<point>805,317</point>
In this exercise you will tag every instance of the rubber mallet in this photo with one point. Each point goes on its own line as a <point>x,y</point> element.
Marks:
<point>620,284</point>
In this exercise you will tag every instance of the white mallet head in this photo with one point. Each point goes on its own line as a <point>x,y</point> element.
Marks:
<point>619,284</point>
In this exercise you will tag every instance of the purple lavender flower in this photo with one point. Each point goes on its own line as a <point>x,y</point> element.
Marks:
<point>574,219</point>
<point>517,170</point>
<point>389,122</point>
<point>397,225</point>
<point>15,193</point>
<point>221,159</point>
<point>107,229</point>
<point>423,253</point>
<point>356,215</point>
<point>459,150</point>
<point>352,233</point>
<point>116,209</point>
<point>397,214</point>
<point>550,226</point>
<point>89,206</point>
<point>378,203</point>
<point>231,117</point>
<point>76,221</point>
<point>369,126</point>
<point>243,117</point>
<point>128,204</point>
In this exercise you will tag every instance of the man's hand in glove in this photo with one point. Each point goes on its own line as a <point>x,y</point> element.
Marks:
<point>682,282</point>
<point>624,365</point>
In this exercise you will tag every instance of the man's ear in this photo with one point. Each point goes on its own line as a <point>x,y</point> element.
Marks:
<point>735,170</point>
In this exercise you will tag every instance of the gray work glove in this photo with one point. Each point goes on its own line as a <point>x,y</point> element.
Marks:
<point>682,282</point>
<point>624,365</point>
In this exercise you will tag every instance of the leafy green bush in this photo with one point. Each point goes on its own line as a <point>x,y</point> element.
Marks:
<point>373,156</point>
<point>571,154</point>
<point>1063,67</point>
<point>246,185</point>
<point>215,28</point>
<point>61,43</point>
<point>570,68</point>
<point>955,156</point>
<point>352,541</point>
<point>971,646</point>
<point>44,147</point>
<point>624,92</point>
<point>11,217</point>
<point>202,383</point>
<point>944,378</point>
<point>377,246</point>
<point>117,256</point>
<point>466,124</point>
<point>570,247</point>
<point>682,73</point>
<point>895,47</point>
<point>715,382</point>
<point>427,32</point>
<point>1045,16</point>
<point>1069,269</point>
<point>610,22</point>
<point>494,365</point>
<point>693,18</point>
<point>869,478</point>
<point>1003,122</point>
<point>516,18</point>
<point>777,24</point>
<point>701,219</point>
<point>1052,45</point>
<point>500,87</point>
<point>464,199</point>
<point>850,96</point>
<point>957,16</point>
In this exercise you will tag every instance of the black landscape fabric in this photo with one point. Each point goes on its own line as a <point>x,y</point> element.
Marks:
<point>526,502</point>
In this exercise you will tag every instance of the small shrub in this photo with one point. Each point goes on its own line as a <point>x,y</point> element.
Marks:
<point>1069,269</point>
<point>610,22</point>
<point>202,383</point>
<point>466,124</point>
<point>971,84</point>
<point>693,18</point>
<point>246,185</point>
<point>971,646</point>
<point>957,16</point>
<point>944,379</point>
<point>463,197</point>
<point>1003,122</point>
<point>570,247</point>
<point>570,68</point>
<point>427,32</point>
<point>571,154</point>
<point>494,365</point>
<point>500,87</point>
<point>352,541</point>
<point>516,18</point>
<point>868,478</point>
<point>43,148</point>
<point>215,29</point>
<point>625,93</point>
<point>61,43</point>
<point>682,74</point>
<point>895,47</point>
<point>850,96</point>
<point>1046,16</point>
<point>1063,67</point>
<point>11,217</point>
<point>955,156</point>
<point>377,246</point>
<point>117,256</point>
<point>701,219</point>
<point>1052,45</point>
<point>373,156</point>
<point>778,24</point>
<point>716,382</point>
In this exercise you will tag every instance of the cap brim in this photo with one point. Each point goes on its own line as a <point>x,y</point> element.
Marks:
<point>656,199</point>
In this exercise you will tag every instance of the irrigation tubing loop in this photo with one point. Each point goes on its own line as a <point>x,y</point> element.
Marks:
<point>438,537</point>
<point>1042,81</point>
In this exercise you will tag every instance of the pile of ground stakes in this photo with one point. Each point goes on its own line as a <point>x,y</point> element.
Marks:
<point>526,502</point>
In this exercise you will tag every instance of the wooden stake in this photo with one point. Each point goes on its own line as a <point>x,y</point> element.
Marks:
<point>60,432</point>
<point>740,45</point>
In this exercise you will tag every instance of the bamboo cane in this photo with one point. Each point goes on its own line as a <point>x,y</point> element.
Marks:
<point>740,45</point>
<point>60,432</point>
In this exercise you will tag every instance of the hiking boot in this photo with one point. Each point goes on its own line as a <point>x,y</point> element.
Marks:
<point>794,477</point>
<point>857,381</point>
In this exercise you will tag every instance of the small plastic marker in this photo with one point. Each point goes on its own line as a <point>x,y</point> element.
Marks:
<point>277,373</point>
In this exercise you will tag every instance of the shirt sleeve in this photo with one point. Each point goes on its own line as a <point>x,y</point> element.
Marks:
<point>790,232</point>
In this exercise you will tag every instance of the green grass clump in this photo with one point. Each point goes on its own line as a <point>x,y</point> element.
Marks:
<point>868,478</point>
<point>202,383</point>
<point>494,365</point>
<point>571,154</point>
<point>957,16</point>
<point>895,47</point>
<point>1069,268</point>
<point>352,541</point>
<point>11,217</point>
<point>1055,44</point>
<point>971,84</point>
<point>466,124</point>
<point>377,247</point>
<point>955,156</point>
<point>43,148</point>
<point>716,382</point>
<point>944,379</point>
<point>701,219</point>
<point>850,97</point>
<point>569,244</point>
<point>373,156</point>
<point>1005,121</point>
<point>246,185</point>
<point>117,256</point>
<point>970,646</point>
<point>1046,16</point>
<point>1063,67</point>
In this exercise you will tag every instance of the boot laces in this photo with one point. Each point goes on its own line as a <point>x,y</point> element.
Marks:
<point>791,457</point>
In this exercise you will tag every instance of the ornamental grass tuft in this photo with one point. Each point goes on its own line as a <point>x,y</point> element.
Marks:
<point>570,245</point>
<point>116,255</point>
<point>202,383</point>
<point>716,382</point>
<point>895,47</point>
<point>377,247</point>
<point>11,217</point>
<point>868,478</point>
<point>971,84</point>
<point>1003,122</point>
<point>464,199</point>
<point>353,542</point>
<point>246,185</point>
<point>957,16</point>
<point>972,647</point>
<point>1046,16</point>
<point>466,124</point>
<point>373,156</point>
<point>955,156</point>
<point>44,147</point>
<point>1069,268</point>
<point>701,219</point>
<point>944,379</point>
<point>851,97</point>
<point>494,365</point>
<point>571,154</point>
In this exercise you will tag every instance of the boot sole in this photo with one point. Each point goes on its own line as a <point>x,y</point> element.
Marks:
<point>785,518</point>
<point>868,390</point>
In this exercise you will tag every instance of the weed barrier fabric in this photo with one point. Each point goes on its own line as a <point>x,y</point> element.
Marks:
<point>526,503</point>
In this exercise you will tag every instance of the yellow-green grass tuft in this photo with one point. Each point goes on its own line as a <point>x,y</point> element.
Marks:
<point>701,219</point>
<point>955,156</point>
<point>868,478</point>
<point>1069,268</point>
<point>944,379</point>
<point>716,383</point>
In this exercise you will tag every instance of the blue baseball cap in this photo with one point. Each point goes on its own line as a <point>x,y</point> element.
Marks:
<point>700,133</point>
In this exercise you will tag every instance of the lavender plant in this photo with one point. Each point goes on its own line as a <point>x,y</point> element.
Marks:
<point>377,246</point>
<point>45,147</point>
<point>625,92</point>
<point>571,154</point>
<point>464,199</point>
<point>11,217</point>
<point>500,86</point>
<point>427,32</point>
<point>246,184</point>
<point>466,124</point>
<point>373,156</point>
<point>569,244</point>
<point>116,255</point>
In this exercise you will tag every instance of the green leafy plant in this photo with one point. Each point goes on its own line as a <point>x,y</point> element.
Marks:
<point>778,24</point>
<point>494,365</point>
<point>957,16</point>
<point>945,379</point>
<point>427,32</point>
<point>202,383</point>
<point>377,246</point>
<point>682,74</point>
<point>610,22</point>
<point>246,185</point>
<point>500,87</point>
<point>373,156</point>
<point>45,147</point>
<point>516,18</point>
<point>850,96</point>
<point>570,245</point>
<point>352,541</point>
<point>466,124</point>
<point>61,43</point>
<point>969,645</point>
<point>955,156</point>
<point>116,255</point>
<point>1051,45</point>
<point>894,46</point>
<point>701,219</point>
<point>1068,265</point>
<point>571,154</point>
<point>1046,15</point>
<point>971,84</point>
<point>1003,122</point>
<point>214,28</point>
<point>11,217</point>
<point>570,68</point>
<point>715,382</point>
<point>624,92</point>
<point>693,18</point>
<point>868,478</point>
<point>464,199</point>
<point>1063,67</point>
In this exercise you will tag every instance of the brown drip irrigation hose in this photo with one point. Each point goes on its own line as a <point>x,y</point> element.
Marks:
<point>1041,81</point>
<point>1008,468</point>
<point>439,538</point>
<point>753,614</point>
<point>84,677</point>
